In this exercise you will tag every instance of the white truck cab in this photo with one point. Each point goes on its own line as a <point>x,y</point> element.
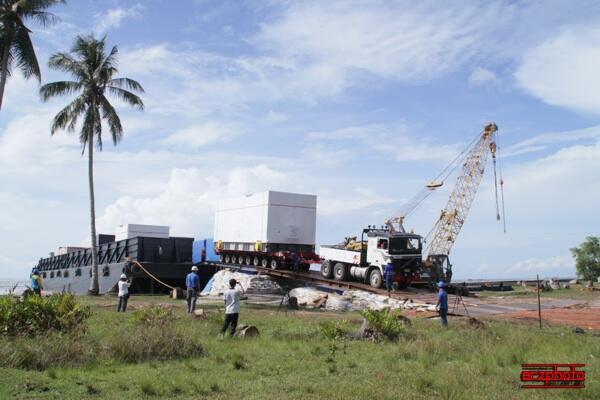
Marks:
<point>365,260</point>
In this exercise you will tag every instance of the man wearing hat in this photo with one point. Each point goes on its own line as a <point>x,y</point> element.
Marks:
<point>192,282</point>
<point>123,293</point>
<point>231,297</point>
<point>36,282</point>
<point>442,303</point>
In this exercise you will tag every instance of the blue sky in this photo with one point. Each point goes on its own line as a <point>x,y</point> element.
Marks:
<point>361,103</point>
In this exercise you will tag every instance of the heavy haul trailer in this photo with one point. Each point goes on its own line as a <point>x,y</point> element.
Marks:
<point>365,261</point>
<point>269,229</point>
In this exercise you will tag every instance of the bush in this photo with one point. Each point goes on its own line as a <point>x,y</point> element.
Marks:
<point>386,322</point>
<point>334,329</point>
<point>153,342</point>
<point>35,315</point>
<point>153,315</point>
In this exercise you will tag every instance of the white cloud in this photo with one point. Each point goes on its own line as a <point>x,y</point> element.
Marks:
<point>545,140</point>
<point>187,200</point>
<point>356,199</point>
<point>563,71</point>
<point>482,75</point>
<point>114,16</point>
<point>555,266</point>
<point>200,135</point>
<point>375,141</point>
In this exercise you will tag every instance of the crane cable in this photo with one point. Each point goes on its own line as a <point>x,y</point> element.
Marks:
<point>152,276</point>
<point>501,182</point>
<point>454,161</point>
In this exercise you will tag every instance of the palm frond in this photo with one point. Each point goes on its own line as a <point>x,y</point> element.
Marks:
<point>126,83</point>
<point>28,6</point>
<point>58,89</point>
<point>112,118</point>
<point>126,96</point>
<point>42,18</point>
<point>25,53</point>
<point>68,116</point>
<point>66,63</point>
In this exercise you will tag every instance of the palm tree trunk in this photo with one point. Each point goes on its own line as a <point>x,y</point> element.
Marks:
<point>94,284</point>
<point>3,71</point>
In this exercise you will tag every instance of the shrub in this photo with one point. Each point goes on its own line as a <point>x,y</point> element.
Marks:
<point>386,322</point>
<point>334,329</point>
<point>153,315</point>
<point>152,342</point>
<point>35,315</point>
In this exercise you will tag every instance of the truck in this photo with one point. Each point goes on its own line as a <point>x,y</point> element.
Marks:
<point>364,260</point>
<point>268,229</point>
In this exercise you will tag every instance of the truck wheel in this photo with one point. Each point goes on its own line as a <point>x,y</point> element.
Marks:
<point>248,260</point>
<point>340,272</point>
<point>227,258</point>
<point>222,258</point>
<point>326,270</point>
<point>274,263</point>
<point>256,261</point>
<point>234,259</point>
<point>375,278</point>
<point>264,262</point>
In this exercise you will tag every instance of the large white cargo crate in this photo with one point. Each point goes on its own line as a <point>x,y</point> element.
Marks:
<point>129,231</point>
<point>268,217</point>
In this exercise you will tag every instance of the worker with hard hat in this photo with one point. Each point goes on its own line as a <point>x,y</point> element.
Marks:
<point>123,293</point>
<point>442,303</point>
<point>36,282</point>
<point>192,283</point>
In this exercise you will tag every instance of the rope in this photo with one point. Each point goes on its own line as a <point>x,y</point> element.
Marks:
<point>501,182</point>
<point>152,276</point>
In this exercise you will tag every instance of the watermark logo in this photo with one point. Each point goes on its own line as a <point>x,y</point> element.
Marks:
<point>552,376</point>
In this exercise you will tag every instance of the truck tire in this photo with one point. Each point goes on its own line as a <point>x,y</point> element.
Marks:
<point>375,279</point>
<point>274,264</point>
<point>340,272</point>
<point>326,270</point>
<point>248,260</point>
<point>256,261</point>
<point>227,258</point>
<point>264,262</point>
<point>234,259</point>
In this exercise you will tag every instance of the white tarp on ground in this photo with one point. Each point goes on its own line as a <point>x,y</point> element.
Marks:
<point>251,283</point>
<point>309,297</point>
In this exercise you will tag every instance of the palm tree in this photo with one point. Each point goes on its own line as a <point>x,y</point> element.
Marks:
<point>92,70</point>
<point>15,43</point>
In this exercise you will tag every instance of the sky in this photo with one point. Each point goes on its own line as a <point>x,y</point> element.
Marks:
<point>361,103</point>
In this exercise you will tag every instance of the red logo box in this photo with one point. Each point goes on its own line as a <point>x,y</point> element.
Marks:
<point>552,376</point>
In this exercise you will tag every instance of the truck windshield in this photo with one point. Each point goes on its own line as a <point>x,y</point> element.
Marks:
<point>404,245</point>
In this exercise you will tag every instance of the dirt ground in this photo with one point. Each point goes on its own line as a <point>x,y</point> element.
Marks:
<point>587,318</point>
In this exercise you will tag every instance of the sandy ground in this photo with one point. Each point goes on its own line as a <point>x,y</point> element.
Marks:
<point>587,318</point>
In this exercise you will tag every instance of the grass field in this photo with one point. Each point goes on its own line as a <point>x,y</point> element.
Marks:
<point>291,359</point>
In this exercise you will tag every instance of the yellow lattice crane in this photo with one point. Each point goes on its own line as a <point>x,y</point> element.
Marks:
<point>444,233</point>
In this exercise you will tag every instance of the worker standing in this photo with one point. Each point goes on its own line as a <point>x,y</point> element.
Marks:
<point>36,282</point>
<point>192,283</point>
<point>388,274</point>
<point>123,293</point>
<point>232,297</point>
<point>442,304</point>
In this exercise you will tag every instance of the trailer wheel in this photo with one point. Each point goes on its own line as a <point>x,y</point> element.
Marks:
<point>274,263</point>
<point>340,272</point>
<point>326,270</point>
<point>264,262</point>
<point>256,261</point>
<point>234,259</point>
<point>375,278</point>
<point>248,260</point>
<point>227,258</point>
<point>222,258</point>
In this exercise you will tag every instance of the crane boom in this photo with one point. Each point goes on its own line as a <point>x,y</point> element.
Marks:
<point>453,216</point>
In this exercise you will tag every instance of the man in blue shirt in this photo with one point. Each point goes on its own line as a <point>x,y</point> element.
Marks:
<point>192,282</point>
<point>388,274</point>
<point>442,304</point>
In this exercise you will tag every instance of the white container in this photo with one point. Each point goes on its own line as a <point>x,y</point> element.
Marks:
<point>68,249</point>
<point>129,231</point>
<point>268,217</point>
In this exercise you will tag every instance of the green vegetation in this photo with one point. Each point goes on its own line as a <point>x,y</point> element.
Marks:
<point>293,358</point>
<point>587,258</point>
<point>35,315</point>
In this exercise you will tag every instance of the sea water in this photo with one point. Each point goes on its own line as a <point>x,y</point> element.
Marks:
<point>8,285</point>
